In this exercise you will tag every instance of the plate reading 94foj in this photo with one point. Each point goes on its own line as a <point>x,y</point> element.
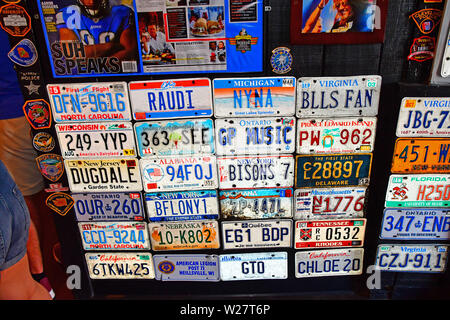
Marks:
<point>187,267</point>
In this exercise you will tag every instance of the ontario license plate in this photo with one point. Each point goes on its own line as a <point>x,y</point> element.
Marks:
<point>329,203</point>
<point>253,97</point>
<point>341,135</point>
<point>255,136</point>
<point>187,267</point>
<point>338,96</point>
<point>257,234</point>
<point>164,99</point>
<point>241,172</point>
<point>120,265</point>
<point>86,102</point>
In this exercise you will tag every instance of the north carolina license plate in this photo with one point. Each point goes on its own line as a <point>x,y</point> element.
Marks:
<point>164,99</point>
<point>412,258</point>
<point>168,138</point>
<point>333,170</point>
<point>241,172</point>
<point>418,190</point>
<point>179,173</point>
<point>325,263</point>
<point>338,96</point>
<point>329,233</point>
<point>96,140</point>
<point>183,205</point>
<point>424,117</point>
<point>329,203</point>
<point>256,204</point>
<point>254,266</point>
<point>86,102</point>
<point>187,267</point>
<point>103,175</point>
<point>257,234</point>
<point>120,265</point>
<point>114,235</point>
<point>341,135</point>
<point>421,155</point>
<point>184,235</point>
<point>255,136</point>
<point>250,97</point>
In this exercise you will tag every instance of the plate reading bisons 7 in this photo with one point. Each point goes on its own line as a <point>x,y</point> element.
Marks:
<point>120,265</point>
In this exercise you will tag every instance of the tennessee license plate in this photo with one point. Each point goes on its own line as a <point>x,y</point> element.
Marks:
<point>179,173</point>
<point>241,172</point>
<point>96,140</point>
<point>184,235</point>
<point>168,138</point>
<point>338,96</point>
<point>86,102</point>
<point>333,170</point>
<point>120,265</point>
<point>329,203</point>
<point>421,155</point>
<point>255,136</point>
<point>341,135</point>
<point>187,267</point>
<point>424,190</point>
<point>424,117</point>
<point>165,99</point>
<point>329,233</point>
<point>103,175</point>
<point>257,234</point>
<point>256,204</point>
<point>253,97</point>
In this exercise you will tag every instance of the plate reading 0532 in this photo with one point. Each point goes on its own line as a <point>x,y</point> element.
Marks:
<point>120,265</point>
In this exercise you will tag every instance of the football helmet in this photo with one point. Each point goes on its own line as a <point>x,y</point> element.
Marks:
<point>94,8</point>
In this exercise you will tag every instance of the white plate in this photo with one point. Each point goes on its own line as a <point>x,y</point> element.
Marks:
<point>187,267</point>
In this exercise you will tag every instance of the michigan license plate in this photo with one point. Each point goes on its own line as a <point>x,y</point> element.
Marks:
<point>187,267</point>
<point>120,265</point>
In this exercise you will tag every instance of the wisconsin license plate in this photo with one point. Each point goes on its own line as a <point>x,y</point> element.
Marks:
<point>187,267</point>
<point>120,265</point>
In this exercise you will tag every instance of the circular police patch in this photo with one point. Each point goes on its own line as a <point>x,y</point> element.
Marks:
<point>281,60</point>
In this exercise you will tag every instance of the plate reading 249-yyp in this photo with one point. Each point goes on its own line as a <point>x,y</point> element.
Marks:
<point>120,265</point>
<point>187,267</point>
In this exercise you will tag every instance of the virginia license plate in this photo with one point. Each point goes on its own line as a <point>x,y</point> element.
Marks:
<point>187,267</point>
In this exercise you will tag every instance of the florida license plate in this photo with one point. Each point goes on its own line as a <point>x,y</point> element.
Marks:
<point>187,267</point>
<point>120,265</point>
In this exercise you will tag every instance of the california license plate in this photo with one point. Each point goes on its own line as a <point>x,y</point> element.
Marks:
<point>187,267</point>
<point>255,136</point>
<point>86,102</point>
<point>120,265</point>
<point>338,96</point>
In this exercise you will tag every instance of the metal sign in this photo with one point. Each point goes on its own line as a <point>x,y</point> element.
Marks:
<point>445,69</point>
<point>187,267</point>
<point>120,265</point>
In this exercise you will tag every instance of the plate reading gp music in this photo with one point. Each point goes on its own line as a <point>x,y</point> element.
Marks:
<point>120,265</point>
<point>187,267</point>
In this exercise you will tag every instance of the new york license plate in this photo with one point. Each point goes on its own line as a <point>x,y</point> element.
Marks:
<point>187,267</point>
<point>120,265</point>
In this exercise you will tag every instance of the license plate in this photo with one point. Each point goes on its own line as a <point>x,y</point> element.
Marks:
<point>257,234</point>
<point>250,97</point>
<point>342,135</point>
<point>329,233</point>
<point>114,235</point>
<point>179,173</point>
<point>86,102</point>
<point>120,265</point>
<point>184,235</point>
<point>103,175</point>
<point>424,117</point>
<point>187,267</point>
<point>421,155</point>
<point>108,206</point>
<point>329,203</point>
<point>338,96</point>
<point>325,263</point>
<point>256,172</point>
<point>168,138</point>
<point>184,205</point>
<point>424,190</point>
<point>255,136</point>
<point>96,140</point>
<point>165,99</point>
<point>333,170</point>
<point>411,258</point>
<point>256,204</point>
<point>254,266</point>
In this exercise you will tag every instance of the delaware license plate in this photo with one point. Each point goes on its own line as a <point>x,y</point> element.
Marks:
<point>86,102</point>
<point>187,267</point>
<point>253,97</point>
<point>338,96</point>
<point>120,265</point>
<point>165,99</point>
<point>257,234</point>
<point>343,135</point>
<point>255,136</point>
<point>256,204</point>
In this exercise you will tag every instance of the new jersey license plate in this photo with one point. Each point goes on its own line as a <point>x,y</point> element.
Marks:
<point>187,267</point>
<point>120,265</point>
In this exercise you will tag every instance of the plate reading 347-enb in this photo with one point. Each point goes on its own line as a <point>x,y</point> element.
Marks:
<point>120,265</point>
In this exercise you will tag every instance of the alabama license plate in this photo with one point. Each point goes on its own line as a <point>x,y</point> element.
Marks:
<point>120,265</point>
<point>86,102</point>
<point>338,96</point>
<point>254,97</point>
<point>187,267</point>
<point>273,233</point>
<point>165,99</point>
<point>255,136</point>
